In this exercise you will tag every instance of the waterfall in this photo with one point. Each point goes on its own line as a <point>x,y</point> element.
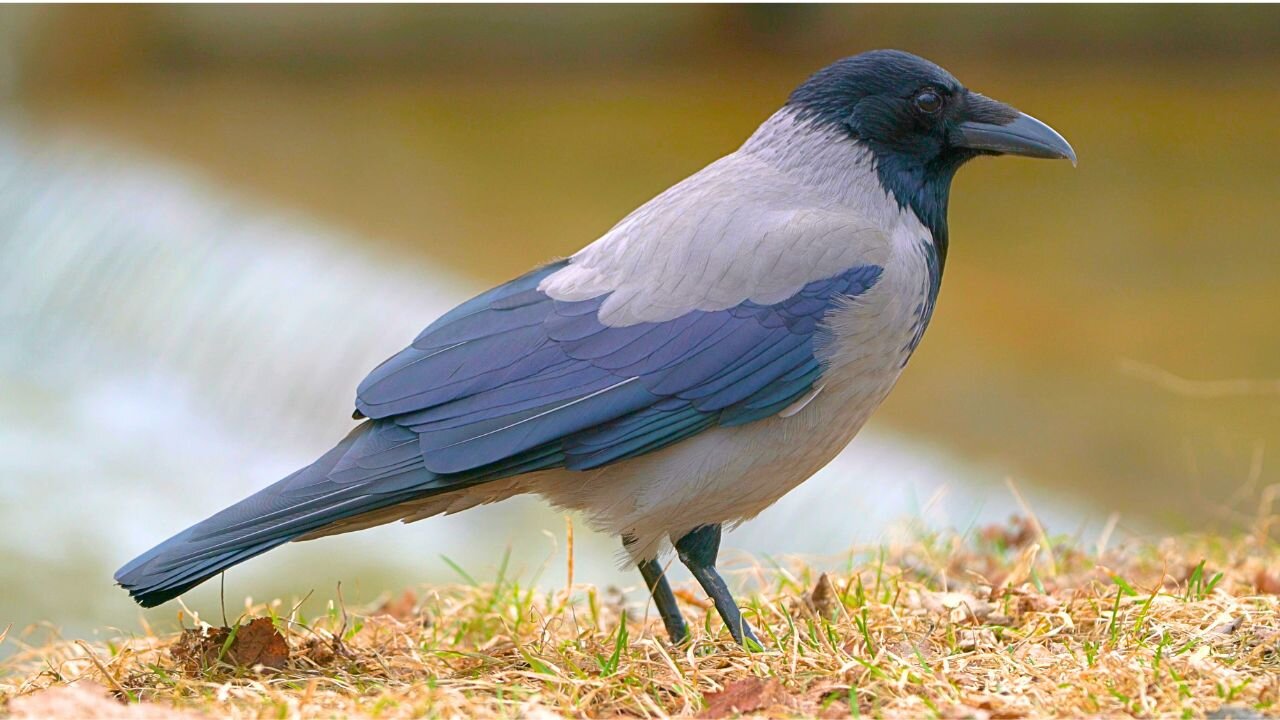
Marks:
<point>111,268</point>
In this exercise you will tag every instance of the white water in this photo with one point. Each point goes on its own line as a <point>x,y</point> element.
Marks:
<point>166,348</point>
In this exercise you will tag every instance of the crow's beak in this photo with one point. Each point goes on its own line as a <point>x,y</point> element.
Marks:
<point>997,128</point>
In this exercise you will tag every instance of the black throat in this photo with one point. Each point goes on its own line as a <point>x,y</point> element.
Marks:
<point>925,189</point>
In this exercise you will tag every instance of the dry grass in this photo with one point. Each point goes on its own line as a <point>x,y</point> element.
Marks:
<point>985,626</point>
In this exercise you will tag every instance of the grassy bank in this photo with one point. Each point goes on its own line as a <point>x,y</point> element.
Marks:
<point>1002,623</point>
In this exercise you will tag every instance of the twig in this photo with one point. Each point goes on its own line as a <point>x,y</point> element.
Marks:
<point>1266,518</point>
<point>293,613</point>
<point>1035,521</point>
<point>1250,485</point>
<point>93,658</point>
<point>1199,389</point>
<point>1112,520</point>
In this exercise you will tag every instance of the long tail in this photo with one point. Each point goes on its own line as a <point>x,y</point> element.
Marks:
<point>372,468</point>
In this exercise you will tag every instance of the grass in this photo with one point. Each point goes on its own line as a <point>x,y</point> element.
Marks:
<point>1003,623</point>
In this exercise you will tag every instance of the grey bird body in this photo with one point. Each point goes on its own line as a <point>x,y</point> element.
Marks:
<point>708,353</point>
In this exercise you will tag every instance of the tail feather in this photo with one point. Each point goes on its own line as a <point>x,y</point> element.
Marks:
<point>327,491</point>
<point>150,590</point>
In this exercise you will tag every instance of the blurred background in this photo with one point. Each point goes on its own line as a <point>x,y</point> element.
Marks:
<point>214,220</point>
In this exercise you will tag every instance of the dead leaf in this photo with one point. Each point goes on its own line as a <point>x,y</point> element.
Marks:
<point>957,606</point>
<point>830,699</point>
<point>965,712</point>
<point>1016,534</point>
<point>260,643</point>
<point>319,651</point>
<point>533,710</point>
<point>1264,643</point>
<point>974,639</point>
<point>907,649</point>
<point>689,598</point>
<point>198,648</point>
<point>88,701</point>
<point>403,608</point>
<point>748,695</point>
<point>1267,582</point>
<point>823,598</point>
<point>1035,602</point>
<point>257,642</point>
<point>1035,654</point>
<point>1229,626</point>
<point>997,708</point>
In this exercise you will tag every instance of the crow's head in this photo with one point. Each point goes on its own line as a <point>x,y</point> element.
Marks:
<point>906,107</point>
<point>920,123</point>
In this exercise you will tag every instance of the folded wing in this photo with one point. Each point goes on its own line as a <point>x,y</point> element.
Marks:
<point>515,371</point>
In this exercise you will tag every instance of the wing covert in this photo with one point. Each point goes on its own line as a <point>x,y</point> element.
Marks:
<point>514,371</point>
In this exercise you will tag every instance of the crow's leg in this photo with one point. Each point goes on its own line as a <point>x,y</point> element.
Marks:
<point>698,552</point>
<point>656,581</point>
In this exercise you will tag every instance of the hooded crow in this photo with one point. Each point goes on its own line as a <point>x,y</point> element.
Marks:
<point>707,354</point>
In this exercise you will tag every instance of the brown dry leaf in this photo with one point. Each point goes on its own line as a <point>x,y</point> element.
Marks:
<point>320,651</point>
<point>1267,582</point>
<point>823,598</point>
<point>688,597</point>
<point>748,695</point>
<point>403,608</point>
<point>198,648</point>
<point>1017,533</point>
<point>257,642</point>
<point>88,701</point>
<point>260,643</point>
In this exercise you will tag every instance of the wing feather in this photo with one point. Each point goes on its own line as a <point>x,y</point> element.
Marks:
<point>521,370</point>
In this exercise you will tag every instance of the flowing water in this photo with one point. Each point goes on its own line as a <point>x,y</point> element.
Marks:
<point>167,348</point>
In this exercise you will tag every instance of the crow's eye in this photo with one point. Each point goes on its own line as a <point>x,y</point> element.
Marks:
<point>928,101</point>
